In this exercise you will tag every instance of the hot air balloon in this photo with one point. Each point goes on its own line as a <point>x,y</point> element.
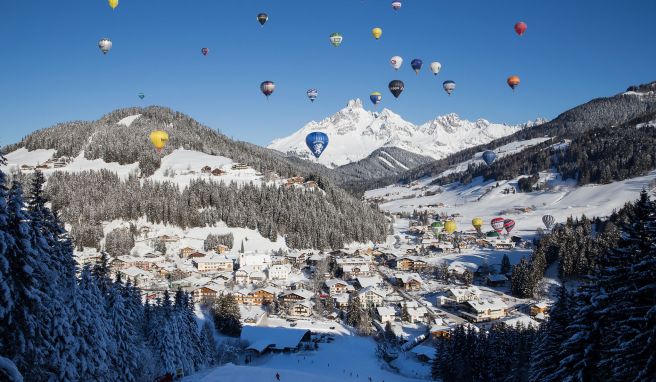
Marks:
<point>113,3</point>
<point>435,67</point>
<point>317,142</point>
<point>312,94</point>
<point>336,39</point>
<point>262,18</point>
<point>477,223</point>
<point>377,32</point>
<point>396,62</point>
<point>396,5</point>
<point>548,221</point>
<point>513,81</point>
<point>508,224</point>
<point>141,95</point>
<point>267,88</point>
<point>204,51</point>
<point>375,98</point>
<point>450,226</point>
<point>497,224</point>
<point>520,28</point>
<point>159,138</point>
<point>489,156</point>
<point>396,87</point>
<point>437,228</point>
<point>105,45</point>
<point>449,86</point>
<point>416,65</point>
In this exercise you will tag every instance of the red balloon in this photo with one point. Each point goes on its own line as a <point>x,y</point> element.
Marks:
<point>520,28</point>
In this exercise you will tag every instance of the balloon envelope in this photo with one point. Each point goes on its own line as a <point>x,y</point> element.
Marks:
<point>141,95</point>
<point>450,226</point>
<point>105,45</point>
<point>317,142</point>
<point>377,32</point>
<point>262,18</point>
<point>204,51</point>
<point>336,39</point>
<point>513,81</point>
<point>435,67</point>
<point>159,138</point>
<point>489,156</point>
<point>548,221</point>
<point>416,65</point>
<point>312,94</point>
<point>267,88</point>
<point>477,223</point>
<point>113,3</point>
<point>396,5</point>
<point>449,86</point>
<point>508,224</point>
<point>396,88</point>
<point>497,224</point>
<point>396,62</point>
<point>375,98</point>
<point>520,28</point>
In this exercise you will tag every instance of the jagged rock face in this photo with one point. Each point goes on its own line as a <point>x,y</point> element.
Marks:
<point>355,133</point>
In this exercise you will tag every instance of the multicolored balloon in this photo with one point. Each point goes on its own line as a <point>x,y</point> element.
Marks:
<point>449,86</point>
<point>105,45</point>
<point>267,88</point>
<point>396,62</point>
<point>497,224</point>
<point>336,39</point>
<point>312,94</point>
<point>262,18</point>
<point>416,65</point>
<point>396,5</point>
<point>437,228</point>
<point>489,157</point>
<point>317,142</point>
<point>375,98</point>
<point>396,87</point>
<point>204,51</point>
<point>513,81</point>
<point>520,28</point>
<point>508,224</point>
<point>377,32</point>
<point>548,221</point>
<point>435,67</point>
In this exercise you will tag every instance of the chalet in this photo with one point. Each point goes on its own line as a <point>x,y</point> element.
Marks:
<point>136,274</point>
<point>496,280</point>
<point>484,310</point>
<point>385,314</point>
<point>404,264</point>
<point>299,285</point>
<point>296,258</point>
<point>337,286</point>
<point>256,261</point>
<point>256,277</point>
<point>341,300</point>
<point>408,281</point>
<point>300,309</point>
<point>223,277</point>
<point>461,295</point>
<point>239,166</point>
<point>218,172</point>
<point>295,296</point>
<point>354,271</point>
<point>195,255</point>
<point>207,293</point>
<point>263,295</point>
<point>539,308</point>
<point>207,264</point>
<point>279,272</point>
<point>185,252</point>
<point>206,170</point>
<point>371,297</point>
<point>424,353</point>
<point>440,331</point>
<point>241,276</point>
<point>315,259</point>
<point>221,249</point>
<point>418,314</point>
<point>261,339</point>
<point>295,180</point>
<point>311,185</point>
<point>169,238</point>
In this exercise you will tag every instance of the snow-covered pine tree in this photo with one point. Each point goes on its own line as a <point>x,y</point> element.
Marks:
<point>124,353</point>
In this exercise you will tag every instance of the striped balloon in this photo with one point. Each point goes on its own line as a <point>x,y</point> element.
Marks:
<point>497,224</point>
<point>267,88</point>
<point>508,224</point>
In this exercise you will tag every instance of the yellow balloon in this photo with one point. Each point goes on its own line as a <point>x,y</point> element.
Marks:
<point>159,138</point>
<point>377,32</point>
<point>113,3</point>
<point>450,226</point>
<point>477,222</point>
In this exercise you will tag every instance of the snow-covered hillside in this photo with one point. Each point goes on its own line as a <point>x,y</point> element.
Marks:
<point>355,133</point>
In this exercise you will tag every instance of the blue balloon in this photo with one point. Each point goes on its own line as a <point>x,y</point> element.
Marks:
<point>489,156</point>
<point>317,142</point>
<point>416,65</point>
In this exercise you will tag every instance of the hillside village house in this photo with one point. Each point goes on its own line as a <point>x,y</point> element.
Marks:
<point>169,238</point>
<point>207,293</point>
<point>186,251</point>
<point>496,280</point>
<point>300,309</point>
<point>484,310</point>
<point>279,272</point>
<point>418,314</point>
<point>212,264</point>
<point>146,263</point>
<point>293,296</point>
<point>371,297</point>
<point>341,300</point>
<point>296,258</point>
<point>539,308</point>
<point>408,281</point>
<point>195,255</point>
<point>256,261</point>
<point>460,295</point>
<point>411,264</point>
<point>337,286</point>
<point>256,297</point>
<point>385,314</point>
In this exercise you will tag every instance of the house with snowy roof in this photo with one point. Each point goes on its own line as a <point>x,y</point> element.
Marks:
<point>301,309</point>
<point>261,339</point>
<point>418,314</point>
<point>279,272</point>
<point>209,264</point>
<point>338,286</point>
<point>207,293</point>
<point>292,296</point>
<point>460,295</point>
<point>371,297</point>
<point>385,314</point>
<point>487,309</point>
<point>409,281</point>
<point>256,261</point>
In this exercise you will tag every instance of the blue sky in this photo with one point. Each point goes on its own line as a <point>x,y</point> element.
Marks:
<point>51,69</point>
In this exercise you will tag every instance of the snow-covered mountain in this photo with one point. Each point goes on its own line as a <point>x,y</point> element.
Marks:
<point>355,133</point>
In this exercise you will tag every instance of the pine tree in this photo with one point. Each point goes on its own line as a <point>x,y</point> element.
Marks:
<point>405,315</point>
<point>505,264</point>
<point>354,312</point>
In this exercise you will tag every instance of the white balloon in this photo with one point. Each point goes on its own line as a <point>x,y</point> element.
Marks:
<point>435,67</point>
<point>396,62</point>
<point>105,45</point>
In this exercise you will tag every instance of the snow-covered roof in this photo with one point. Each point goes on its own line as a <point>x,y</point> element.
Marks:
<point>386,311</point>
<point>213,259</point>
<point>368,281</point>
<point>135,272</point>
<point>526,321</point>
<point>425,350</point>
<point>306,294</point>
<point>492,303</point>
<point>407,277</point>
<point>330,283</point>
<point>373,290</point>
<point>342,298</point>
<point>465,292</point>
<point>260,338</point>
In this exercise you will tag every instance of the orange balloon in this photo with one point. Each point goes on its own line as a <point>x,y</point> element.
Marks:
<point>513,81</point>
